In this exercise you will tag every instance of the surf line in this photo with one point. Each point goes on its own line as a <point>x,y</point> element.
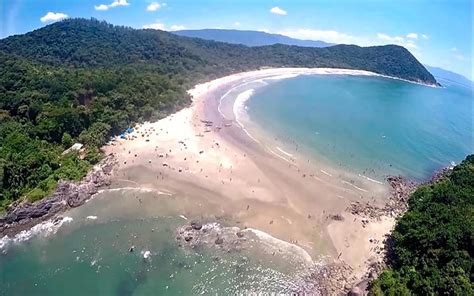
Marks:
<point>326,173</point>
<point>370,179</point>
<point>279,156</point>
<point>358,188</point>
<point>284,152</point>
<point>235,86</point>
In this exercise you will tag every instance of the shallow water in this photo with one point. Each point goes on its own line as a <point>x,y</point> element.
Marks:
<point>369,125</point>
<point>90,256</point>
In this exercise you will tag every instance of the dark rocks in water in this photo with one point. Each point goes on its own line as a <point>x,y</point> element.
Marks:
<point>396,205</point>
<point>131,249</point>
<point>196,225</point>
<point>441,174</point>
<point>226,239</point>
<point>68,194</point>
<point>326,279</point>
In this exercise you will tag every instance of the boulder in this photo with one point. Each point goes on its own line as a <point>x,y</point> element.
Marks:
<point>196,225</point>
<point>219,241</point>
<point>356,291</point>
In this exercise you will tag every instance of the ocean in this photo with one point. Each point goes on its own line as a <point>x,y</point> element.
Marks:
<point>372,126</point>
<point>89,254</point>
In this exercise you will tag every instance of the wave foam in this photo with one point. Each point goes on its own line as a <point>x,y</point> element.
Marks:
<point>44,229</point>
<point>272,242</point>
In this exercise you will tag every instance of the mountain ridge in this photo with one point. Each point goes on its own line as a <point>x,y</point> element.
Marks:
<point>249,37</point>
<point>254,38</point>
<point>92,43</point>
<point>449,76</point>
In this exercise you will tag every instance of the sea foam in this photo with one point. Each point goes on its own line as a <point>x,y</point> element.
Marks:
<point>43,229</point>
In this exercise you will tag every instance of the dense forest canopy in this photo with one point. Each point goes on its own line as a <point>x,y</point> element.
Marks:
<point>84,80</point>
<point>91,43</point>
<point>433,243</point>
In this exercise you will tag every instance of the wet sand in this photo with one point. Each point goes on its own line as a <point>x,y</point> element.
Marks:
<point>212,161</point>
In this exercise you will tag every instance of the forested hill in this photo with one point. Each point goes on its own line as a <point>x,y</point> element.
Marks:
<point>432,245</point>
<point>249,38</point>
<point>85,43</point>
<point>84,80</point>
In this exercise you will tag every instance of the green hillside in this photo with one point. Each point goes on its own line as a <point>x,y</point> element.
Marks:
<point>433,243</point>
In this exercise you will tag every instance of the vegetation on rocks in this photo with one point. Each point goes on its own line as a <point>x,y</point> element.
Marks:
<point>433,242</point>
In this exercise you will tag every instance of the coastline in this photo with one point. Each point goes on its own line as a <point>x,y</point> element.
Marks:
<point>200,151</point>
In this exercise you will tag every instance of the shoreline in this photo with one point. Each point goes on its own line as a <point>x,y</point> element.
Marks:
<point>199,151</point>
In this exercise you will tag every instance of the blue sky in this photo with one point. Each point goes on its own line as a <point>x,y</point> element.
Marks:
<point>437,32</point>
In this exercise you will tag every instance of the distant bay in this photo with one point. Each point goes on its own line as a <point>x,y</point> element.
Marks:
<point>370,125</point>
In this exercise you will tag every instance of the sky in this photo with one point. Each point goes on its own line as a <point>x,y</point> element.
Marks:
<point>438,32</point>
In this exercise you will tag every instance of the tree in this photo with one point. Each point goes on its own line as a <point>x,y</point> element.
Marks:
<point>66,140</point>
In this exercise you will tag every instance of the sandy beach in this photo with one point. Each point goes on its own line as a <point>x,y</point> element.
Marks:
<point>204,155</point>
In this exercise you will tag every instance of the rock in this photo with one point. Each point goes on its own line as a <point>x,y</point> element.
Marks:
<point>219,241</point>
<point>355,291</point>
<point>196,225</point>
<point>68,194</point>
<point>240,234</point>
<point>188,238</point>
<point>337,217</point>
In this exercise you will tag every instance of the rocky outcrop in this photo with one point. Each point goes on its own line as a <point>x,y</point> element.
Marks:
<point>396,205</point>
<point>228,239</point>
<point>326,279</point>
<point>68,194</point>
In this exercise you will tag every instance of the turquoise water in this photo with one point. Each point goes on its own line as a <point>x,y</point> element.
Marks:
<point>369,125</point>
<point>91,257</point>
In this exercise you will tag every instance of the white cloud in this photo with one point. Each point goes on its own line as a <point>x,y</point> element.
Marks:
<point>237,24</point>
<point>459,57</point>
<point>101,7</point>
<point>177,27</point>
<point>119,3</point>
<point>163,27</point>
<point>333,36</point>
<point>393,39</point>
<point>324,35</point>
<point>278,10</point>
<point>424,36</point>
<point>154,6</point>
<point>454,49</point>
<point>155,26</point>
<point>398,40</point>
<point>111,5</point>
<point>411,44</point>
<point>53,16</point>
